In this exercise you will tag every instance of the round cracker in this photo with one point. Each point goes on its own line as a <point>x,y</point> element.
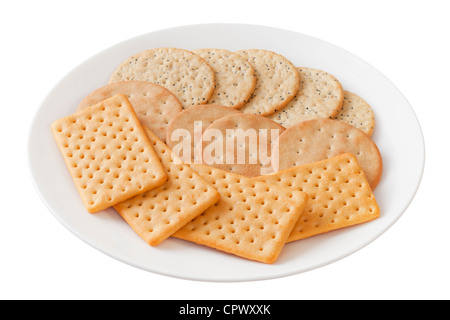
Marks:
<point>320,96</point>
<point>234,76</point>
<point>277,81</point>
<point>243,122</point>
<point>206,113</point>
<point>184,73</point>
<point>357,112</point>
<point>154,105</point>
<point>319,139</point>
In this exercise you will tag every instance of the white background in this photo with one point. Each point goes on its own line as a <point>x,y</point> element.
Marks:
<point>41,41</point>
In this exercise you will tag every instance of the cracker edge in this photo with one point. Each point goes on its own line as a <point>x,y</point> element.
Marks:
<point>138,127</point>
<point>282,242</point>
<point>293,238</point>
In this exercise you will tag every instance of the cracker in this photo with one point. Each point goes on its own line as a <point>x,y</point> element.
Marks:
<point>320,96</point>
<point>205,114</point>
<point>246,157</point>
<point>315,140</point>
<point>338,195</point>
<point>277,81</point>
<point>235,77</point>
<point>357,112</point>
<point>252,220</point>
<point>158,213</point>
<point>154,105</point>
<point>184,73</point>
<point>108,154</point>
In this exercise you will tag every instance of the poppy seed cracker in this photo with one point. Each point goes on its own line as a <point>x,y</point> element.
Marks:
<point>320,96</point>
<point>277,81</point>
<point>357,112</point>
<point>235,78</point>
<point>182,72</point>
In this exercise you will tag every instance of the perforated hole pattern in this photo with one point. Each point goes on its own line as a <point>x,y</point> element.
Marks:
<point>339,195</point>
<point>252,219</point>
<point>158,213</point>
<point>108,154</point>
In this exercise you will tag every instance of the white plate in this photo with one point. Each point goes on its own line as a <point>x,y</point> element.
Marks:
<point>397,134</point>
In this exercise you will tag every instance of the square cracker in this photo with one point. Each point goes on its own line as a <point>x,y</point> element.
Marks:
<point>158,213</point>
<point>252,220</point>
<point>108,154</point>
<point>339,195</point>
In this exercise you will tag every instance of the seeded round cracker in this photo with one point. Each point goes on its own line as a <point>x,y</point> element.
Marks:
<point>154,105</point>
<point>320,96</point>
<point>184,73</point>
<point>234,76</point>
<point>277,81</point>
<point>357,112</point>
<point>319,139</point>
<point>241,149</point>
<point>183,125</point>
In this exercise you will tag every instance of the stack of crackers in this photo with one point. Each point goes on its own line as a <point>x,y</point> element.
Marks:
<point>119,149</point>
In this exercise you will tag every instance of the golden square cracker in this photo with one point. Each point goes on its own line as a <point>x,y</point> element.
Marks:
<point>252,220</point>
<point>108,154</point>
<point>154,105</point>
<point>158,213</point>
<point>338,195</point>
<point>314,140</point>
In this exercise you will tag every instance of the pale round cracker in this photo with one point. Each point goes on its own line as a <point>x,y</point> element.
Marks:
<point>357,112</point>
<point>206,113</point>
<point>154,105</point>
<point>243,122</point>
<point>319,139</point>
<point>184,73</point>
<point>277,81</point>
<point>234,76</point>
<point>320,96</point>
